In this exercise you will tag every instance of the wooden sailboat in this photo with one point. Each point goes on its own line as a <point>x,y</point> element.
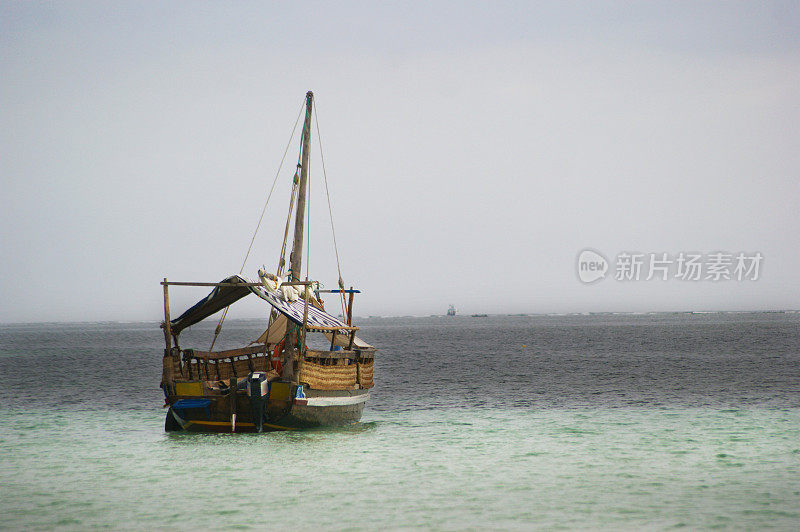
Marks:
<point>277,382</point>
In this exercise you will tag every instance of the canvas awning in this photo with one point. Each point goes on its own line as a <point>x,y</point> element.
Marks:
<point>218,299</point>
<point>223,296</point>
<point>294,310</point>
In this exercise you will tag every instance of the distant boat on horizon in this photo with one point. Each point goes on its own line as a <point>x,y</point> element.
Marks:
<point>480,315</point>
<point>451,311</point>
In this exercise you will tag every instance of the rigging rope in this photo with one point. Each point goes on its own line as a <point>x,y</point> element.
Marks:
<point>330,210</point>
<point>260,219</point>
<point>282,258</point>
<point>295,186</point>
<point>271,190</point>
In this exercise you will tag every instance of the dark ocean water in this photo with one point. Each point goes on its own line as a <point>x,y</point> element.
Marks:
<point>602,421</point>
<point>598,361</point>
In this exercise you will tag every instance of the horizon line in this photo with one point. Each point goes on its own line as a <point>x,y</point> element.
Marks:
<point>512,314</point>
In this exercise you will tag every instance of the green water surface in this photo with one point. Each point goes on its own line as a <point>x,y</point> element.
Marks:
<point>620,468</point>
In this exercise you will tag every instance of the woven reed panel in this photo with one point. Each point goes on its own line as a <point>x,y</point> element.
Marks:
<point>365,374</point>
<point>322,377</point>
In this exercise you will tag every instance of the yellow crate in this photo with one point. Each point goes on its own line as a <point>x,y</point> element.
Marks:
<point>189,388</point>
<point>279,391</point>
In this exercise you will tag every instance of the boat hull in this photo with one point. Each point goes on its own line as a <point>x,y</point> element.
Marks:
<point>320,408</point>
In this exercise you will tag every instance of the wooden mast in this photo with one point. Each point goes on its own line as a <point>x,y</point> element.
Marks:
<point>296,256</point>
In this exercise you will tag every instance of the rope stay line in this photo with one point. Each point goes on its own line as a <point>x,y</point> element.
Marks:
<point>218,329</point>
<point>295,187</point>
<point>282,258</point>
<point>330,209</point>
<point>271,190</point>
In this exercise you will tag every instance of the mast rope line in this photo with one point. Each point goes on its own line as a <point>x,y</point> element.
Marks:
<point>271,190</point>
<point>292,196</point>
<point>330,210</point>
<point>218,330</point>
<point>295,186</point>
<point>282,258</point>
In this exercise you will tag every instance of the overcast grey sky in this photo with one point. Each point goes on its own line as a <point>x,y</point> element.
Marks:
<point>473,150</point>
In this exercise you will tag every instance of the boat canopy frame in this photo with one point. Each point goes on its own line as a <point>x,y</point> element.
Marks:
<point>232,289</point>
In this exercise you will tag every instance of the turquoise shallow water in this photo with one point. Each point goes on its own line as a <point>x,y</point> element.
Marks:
<point>525,422</point>
<point>461,468</point>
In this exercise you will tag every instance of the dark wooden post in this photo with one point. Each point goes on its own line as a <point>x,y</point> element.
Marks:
<point>305,315</point>
<point>350,308</point>
<point>233,403</point>
<point>167,329</point>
